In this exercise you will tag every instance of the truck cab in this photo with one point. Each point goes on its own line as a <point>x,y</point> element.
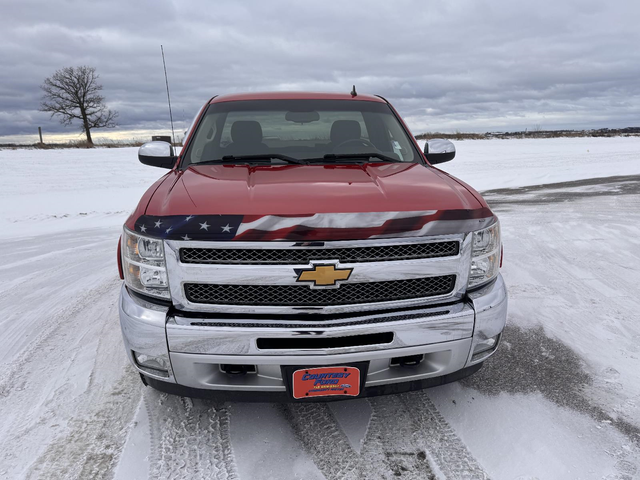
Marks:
<point>303,247</point>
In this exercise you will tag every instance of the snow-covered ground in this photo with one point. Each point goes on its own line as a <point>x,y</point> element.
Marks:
<point>488,164</point>
<point>47,191</point>
<point>561,399</point>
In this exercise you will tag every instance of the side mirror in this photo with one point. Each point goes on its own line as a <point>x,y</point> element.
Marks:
<point>439,150</point>
<point>157,154</point>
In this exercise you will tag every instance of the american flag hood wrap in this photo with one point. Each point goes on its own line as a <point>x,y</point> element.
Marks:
<point>311,227</point>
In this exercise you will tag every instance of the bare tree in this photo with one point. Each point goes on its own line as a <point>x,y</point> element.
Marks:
<point>73,93</point>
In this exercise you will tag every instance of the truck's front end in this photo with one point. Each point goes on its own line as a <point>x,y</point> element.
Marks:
<point>302,247</point>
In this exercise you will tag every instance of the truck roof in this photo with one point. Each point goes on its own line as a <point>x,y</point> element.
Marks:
<point>234,97</point>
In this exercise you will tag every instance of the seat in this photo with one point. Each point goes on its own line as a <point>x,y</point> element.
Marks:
<point>344,130</point>
<point>246,139</point>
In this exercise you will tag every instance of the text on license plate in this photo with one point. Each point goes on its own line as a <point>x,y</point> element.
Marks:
<point>324,381</point>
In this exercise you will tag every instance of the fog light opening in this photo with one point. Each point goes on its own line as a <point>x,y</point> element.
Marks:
<point>408,361</point>
<point>231,369</point>
<point>158,365</point>
<point>485,348</point>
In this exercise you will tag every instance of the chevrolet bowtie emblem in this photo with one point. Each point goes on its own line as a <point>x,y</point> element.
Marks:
<point>324,275</point>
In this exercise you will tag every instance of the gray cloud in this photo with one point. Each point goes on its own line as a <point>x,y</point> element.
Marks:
<point>469,65</point>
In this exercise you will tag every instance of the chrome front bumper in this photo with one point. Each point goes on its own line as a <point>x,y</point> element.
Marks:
<point>195,347</point>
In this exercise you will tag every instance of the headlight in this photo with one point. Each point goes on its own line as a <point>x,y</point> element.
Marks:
<point>485,255</point>
<point>143,263</point>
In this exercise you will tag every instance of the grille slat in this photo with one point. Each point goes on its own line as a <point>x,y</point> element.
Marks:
<point>302,295</point>
<point>368,321</point>
<point>297,256</point>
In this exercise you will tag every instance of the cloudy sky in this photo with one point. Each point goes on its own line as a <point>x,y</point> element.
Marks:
<point>447,65</point>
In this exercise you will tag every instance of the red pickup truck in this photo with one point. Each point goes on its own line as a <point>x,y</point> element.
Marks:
<point>303,247</point>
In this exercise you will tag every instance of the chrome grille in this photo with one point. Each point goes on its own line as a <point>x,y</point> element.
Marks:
<point>298,256</point>
<point>302,295</point>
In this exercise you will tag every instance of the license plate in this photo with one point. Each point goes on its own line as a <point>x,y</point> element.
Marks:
<point>326,381</point>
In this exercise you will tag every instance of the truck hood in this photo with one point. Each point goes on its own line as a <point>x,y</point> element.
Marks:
<point>309,189</point>
<point>332,194</point>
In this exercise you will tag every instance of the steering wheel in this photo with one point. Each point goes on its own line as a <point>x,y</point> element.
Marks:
<point>356,145</point>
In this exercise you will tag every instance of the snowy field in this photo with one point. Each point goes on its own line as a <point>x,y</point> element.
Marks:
<point>560,400</point>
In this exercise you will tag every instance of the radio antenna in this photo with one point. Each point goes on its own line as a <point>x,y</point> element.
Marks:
<point>166,81</point>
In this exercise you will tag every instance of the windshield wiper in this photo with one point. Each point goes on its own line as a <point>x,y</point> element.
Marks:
<point>381,157</point>
<point>253,158</point>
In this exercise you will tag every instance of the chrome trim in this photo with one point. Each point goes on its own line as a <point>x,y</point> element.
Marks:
<point>312,244</point>
<point>440,145</point>
<point>156,149</point>
<point>490,304</point>
<point>181,273</point>
<point>202,371</point>
<point>454,323</point>
<point>143,330</point>
<point>320,321</point>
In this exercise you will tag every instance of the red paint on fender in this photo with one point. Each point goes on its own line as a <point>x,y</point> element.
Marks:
<point>144,201</point>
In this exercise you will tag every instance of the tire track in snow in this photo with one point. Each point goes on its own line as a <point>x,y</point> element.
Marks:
<point>95,440</point>
<point>438,439</point>
<point>390,444</point>
<point>189,438</point>
<point>321,436</point>
<point>71,427</point>
<point>406,437</point>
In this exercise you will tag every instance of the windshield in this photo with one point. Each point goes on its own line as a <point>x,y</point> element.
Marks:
<point>300,131</point>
